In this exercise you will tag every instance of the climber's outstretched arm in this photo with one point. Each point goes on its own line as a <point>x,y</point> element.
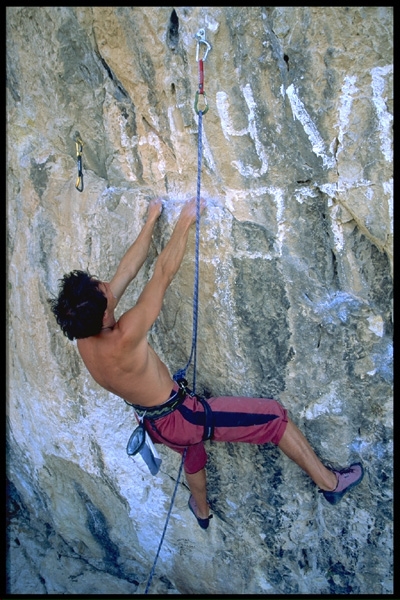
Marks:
<point>138,320</point>
<point>135,256</point>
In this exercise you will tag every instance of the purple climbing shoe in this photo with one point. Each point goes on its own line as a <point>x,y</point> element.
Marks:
<point>347,479</point>
<point>204,523</point>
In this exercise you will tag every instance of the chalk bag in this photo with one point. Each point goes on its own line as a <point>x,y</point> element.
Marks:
<point>141,443</point>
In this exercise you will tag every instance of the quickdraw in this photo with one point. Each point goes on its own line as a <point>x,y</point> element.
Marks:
<point>79,179</point>
<point>201,39</point>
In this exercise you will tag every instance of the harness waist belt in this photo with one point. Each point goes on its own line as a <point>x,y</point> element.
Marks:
<point>161,410</point>
<point>177,397</point>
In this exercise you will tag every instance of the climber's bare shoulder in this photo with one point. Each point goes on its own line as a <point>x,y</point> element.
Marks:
<point>126,365</point>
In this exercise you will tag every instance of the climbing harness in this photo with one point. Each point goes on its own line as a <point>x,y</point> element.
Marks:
<point>79,179</point>
<point>180,375</point>
<point>162,410</point>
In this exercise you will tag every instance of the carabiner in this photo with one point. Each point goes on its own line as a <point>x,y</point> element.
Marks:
<point>79,179</point>
<point>79,146</point>
<point>201,39</point>
<point>196,101</point>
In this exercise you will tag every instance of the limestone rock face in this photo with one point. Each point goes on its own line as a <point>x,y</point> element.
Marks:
<point>295,289</point>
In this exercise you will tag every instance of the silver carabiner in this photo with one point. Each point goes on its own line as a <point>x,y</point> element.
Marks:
<point>201,39</point>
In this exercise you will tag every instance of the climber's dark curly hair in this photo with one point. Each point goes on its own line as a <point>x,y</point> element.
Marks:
<point>80,305</point>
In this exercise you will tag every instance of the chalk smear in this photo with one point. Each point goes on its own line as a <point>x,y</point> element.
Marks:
<point>223,106</point>
<point>300,113</point>
<point>378,75</point>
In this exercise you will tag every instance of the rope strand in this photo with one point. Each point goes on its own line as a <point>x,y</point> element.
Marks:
<point>193,352</point>
<point>197,261</point>
<point>201,39</point>
<point>166,523</point>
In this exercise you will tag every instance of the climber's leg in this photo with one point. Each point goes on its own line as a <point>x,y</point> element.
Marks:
<point>295,446</point>
<point>197,483</point>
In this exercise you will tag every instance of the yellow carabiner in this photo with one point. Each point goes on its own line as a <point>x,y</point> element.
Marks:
<point>79,179</point>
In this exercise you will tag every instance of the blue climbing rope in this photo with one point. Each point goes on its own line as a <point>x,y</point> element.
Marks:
<point>181,373</point>
<point>166,523</point>
<point>193,353</point>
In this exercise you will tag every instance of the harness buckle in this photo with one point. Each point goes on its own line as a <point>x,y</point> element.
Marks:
<point>182,382</point>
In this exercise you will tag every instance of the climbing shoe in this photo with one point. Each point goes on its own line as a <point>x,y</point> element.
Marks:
<point>204,523</point>
<point>347,478</point>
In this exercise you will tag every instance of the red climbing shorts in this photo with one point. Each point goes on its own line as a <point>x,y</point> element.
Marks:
<point>235,419</point>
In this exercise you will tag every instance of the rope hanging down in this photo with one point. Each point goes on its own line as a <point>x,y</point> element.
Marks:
<point>200,36</point>
<point>166,524</point>
<point>181,374</point>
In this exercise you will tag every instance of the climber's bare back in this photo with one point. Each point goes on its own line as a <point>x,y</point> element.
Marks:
<point>128,368</point>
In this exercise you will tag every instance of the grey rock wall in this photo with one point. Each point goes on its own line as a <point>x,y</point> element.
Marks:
<point>296,267</point>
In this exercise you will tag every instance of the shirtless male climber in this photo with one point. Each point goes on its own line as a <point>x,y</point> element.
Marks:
<point>118,356</point>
